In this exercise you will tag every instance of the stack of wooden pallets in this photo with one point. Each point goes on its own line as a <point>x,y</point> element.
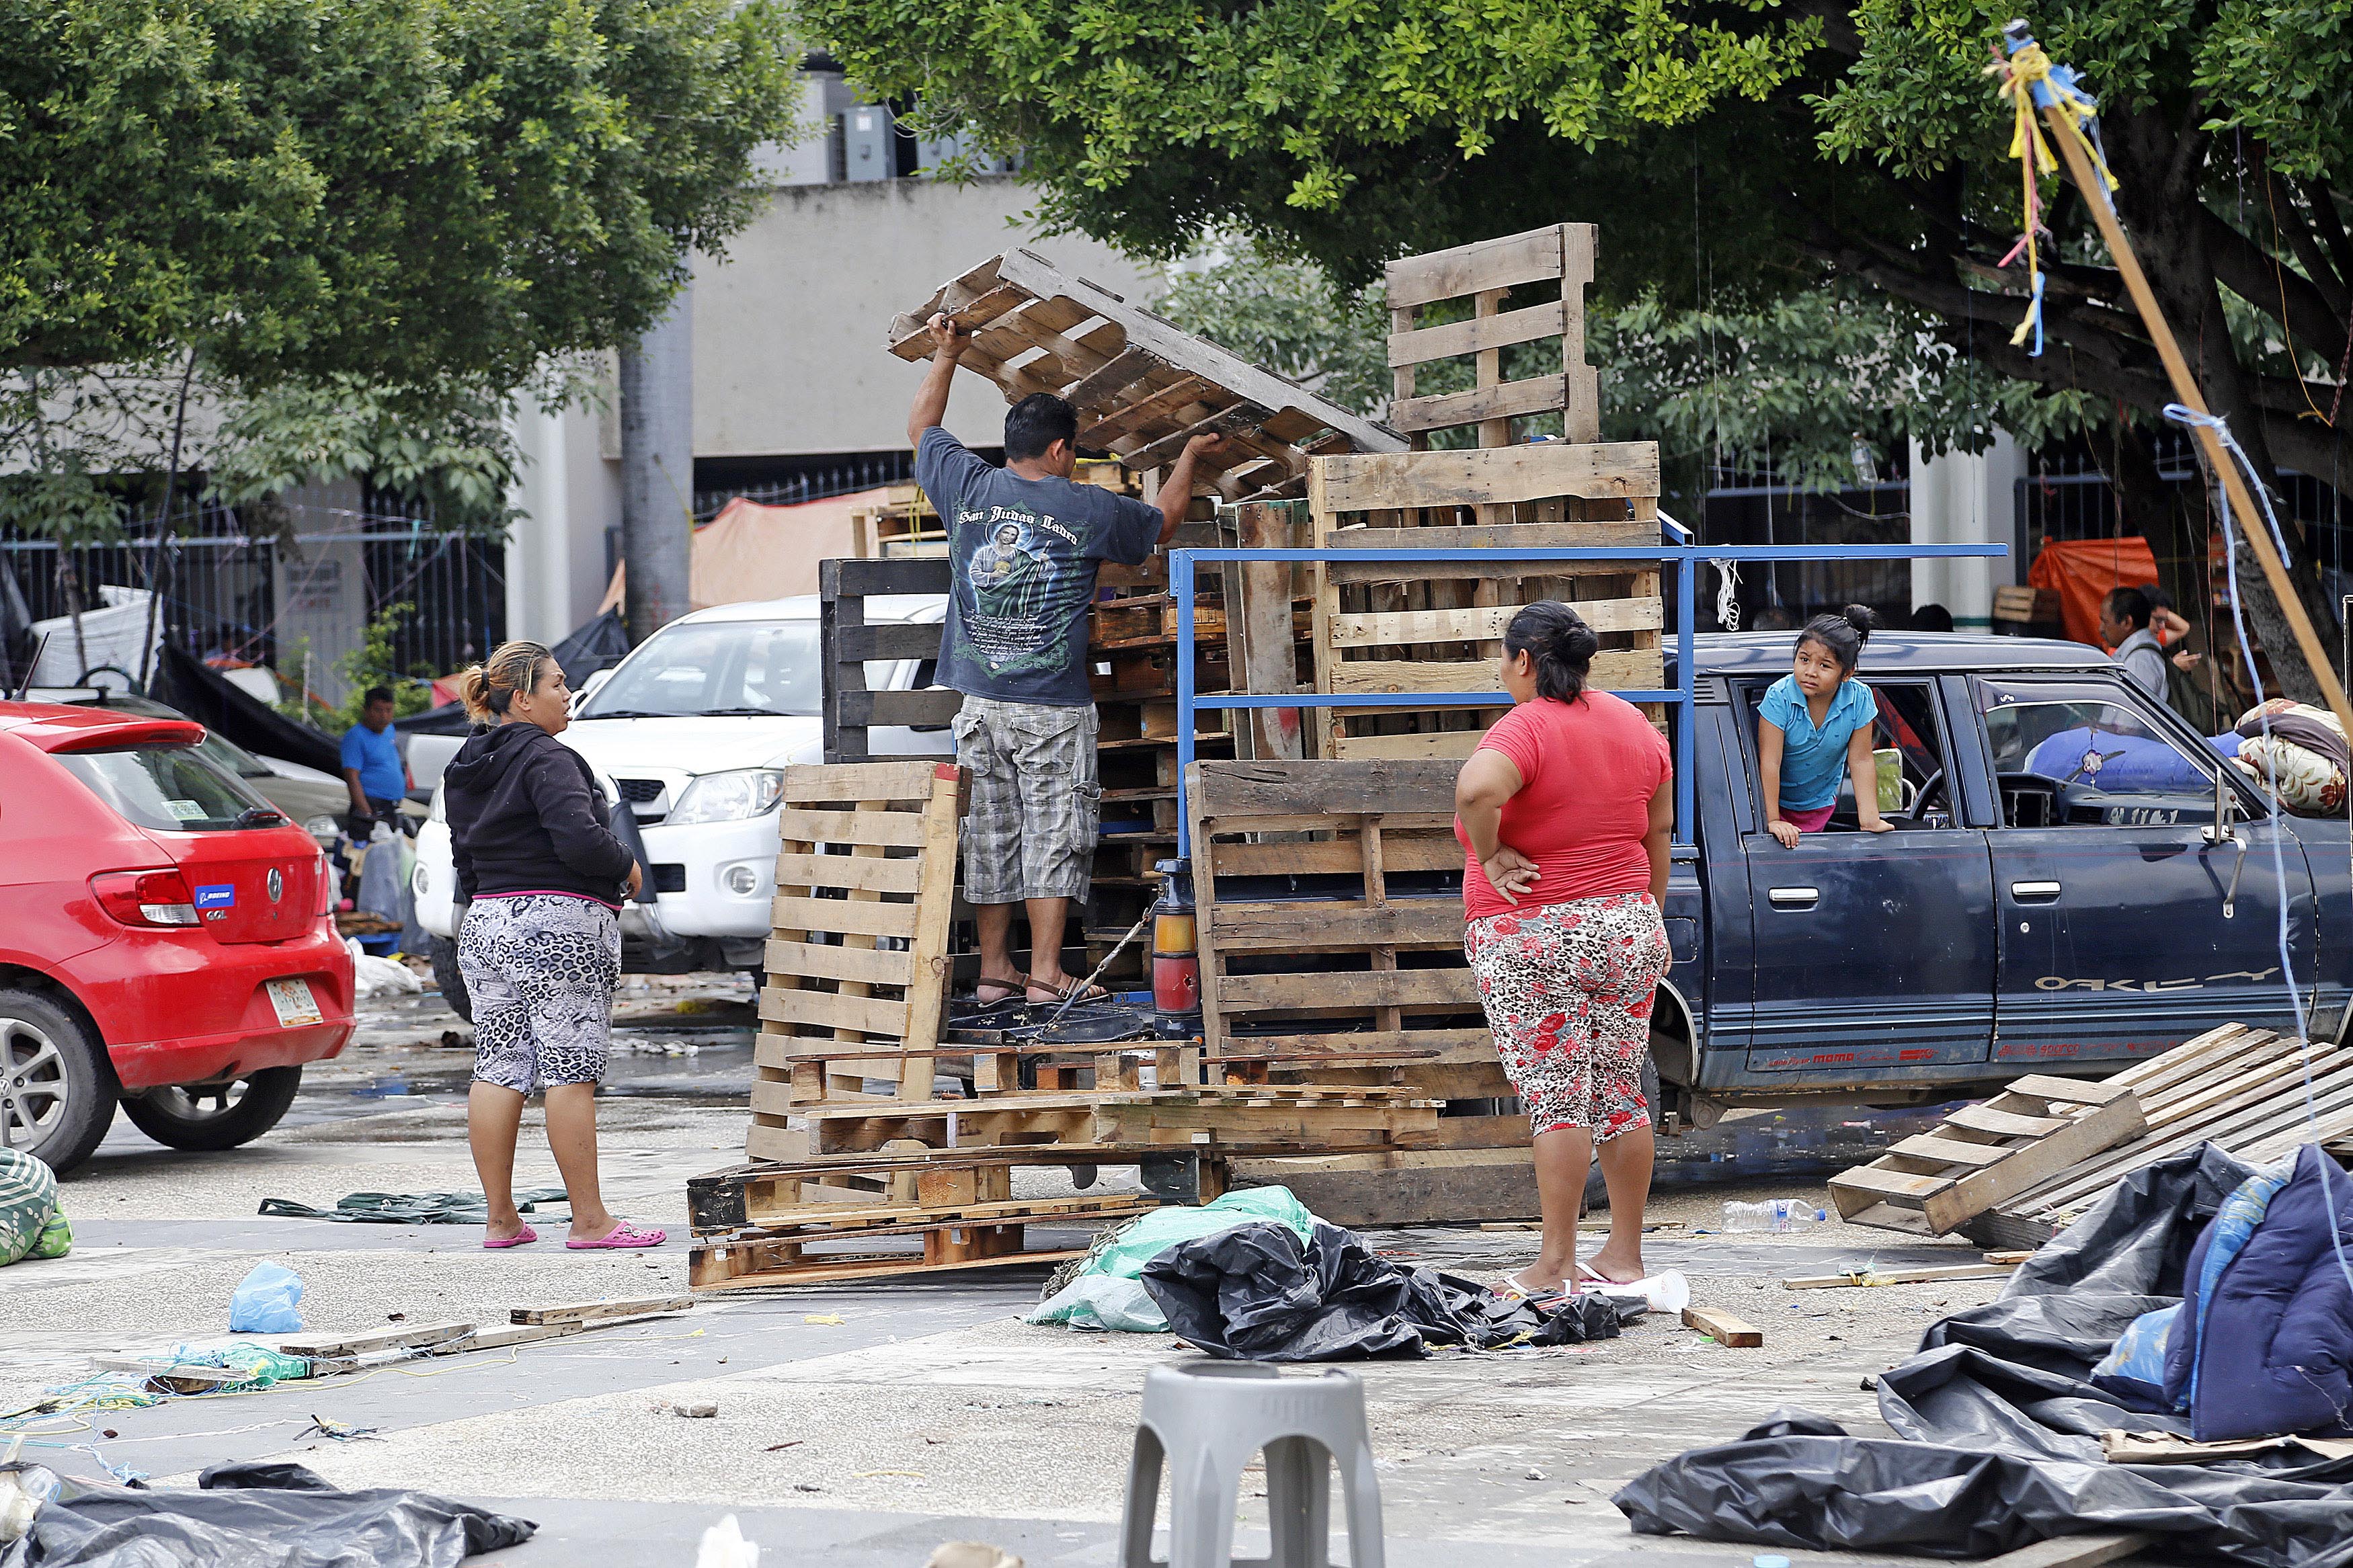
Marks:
<point>872,1118</point>
<point>897,526</point>
<point>1436,627</point>
<point>1330,899</point>
<point>2034,1160</point>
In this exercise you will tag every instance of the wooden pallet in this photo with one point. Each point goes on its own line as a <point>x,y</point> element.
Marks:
<point>1363,981</point>
<point>1931,1182</point>
<point>766,1195</point>
<point>865,894</point>
<point>986,1233</point>
<point>1143,388</point>
<point>1231,1120</point>
<point>2241,1089</point>
<point>1410,626</point>
<point>1551,268</point>
<point>846,644</point>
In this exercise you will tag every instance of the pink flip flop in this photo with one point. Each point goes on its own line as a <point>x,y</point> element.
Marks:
<point>526,1235</point>
<point>621,1235</point>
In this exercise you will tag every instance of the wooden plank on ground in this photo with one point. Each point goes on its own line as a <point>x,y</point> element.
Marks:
<point>385,1340</point>
<point>1723,1327</point>
<point>1875,1276</point>
<point>596,1311</point>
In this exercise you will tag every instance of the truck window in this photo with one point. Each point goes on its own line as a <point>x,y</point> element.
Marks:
<point>1914,773</point>
<point>2089,754</point>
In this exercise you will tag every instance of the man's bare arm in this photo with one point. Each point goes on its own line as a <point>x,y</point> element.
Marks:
<point>1176,490</point>
<point>948,343</point>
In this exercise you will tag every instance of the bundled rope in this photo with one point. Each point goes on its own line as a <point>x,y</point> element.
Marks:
<point>2029,80</point>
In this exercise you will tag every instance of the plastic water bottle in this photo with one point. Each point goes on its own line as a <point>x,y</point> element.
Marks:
<point>1773,1214</point>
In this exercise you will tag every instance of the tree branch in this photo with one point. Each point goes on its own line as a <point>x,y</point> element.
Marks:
<point>2262,280</point>
<point>2299,236</point>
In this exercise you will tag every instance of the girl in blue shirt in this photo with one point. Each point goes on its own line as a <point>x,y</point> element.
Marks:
<point>1812,720</point>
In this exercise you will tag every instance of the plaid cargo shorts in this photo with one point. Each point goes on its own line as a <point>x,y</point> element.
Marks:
<point>1035,801</point>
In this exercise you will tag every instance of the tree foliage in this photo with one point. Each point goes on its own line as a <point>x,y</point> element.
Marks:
<point>1736,151</point>
<point>386,215</point>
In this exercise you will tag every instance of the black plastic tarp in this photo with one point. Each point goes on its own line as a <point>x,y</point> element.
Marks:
<point>598,644</point>
<point>1998,1424</point>
<point>185,682</point>
<point>1257,1292</point>
<point>257,1516</point>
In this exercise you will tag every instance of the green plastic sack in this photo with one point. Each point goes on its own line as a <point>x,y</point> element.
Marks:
<point>28,1201</point>
<point>1080,1299</point>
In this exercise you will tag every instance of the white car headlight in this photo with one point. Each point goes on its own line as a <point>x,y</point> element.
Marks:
<point>323,827</point>
<point>728,797</point>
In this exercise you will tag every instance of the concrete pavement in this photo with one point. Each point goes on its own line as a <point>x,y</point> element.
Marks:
<point>857,1426</point>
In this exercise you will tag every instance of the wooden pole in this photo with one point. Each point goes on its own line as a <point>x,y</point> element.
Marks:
<point>2185,392</point>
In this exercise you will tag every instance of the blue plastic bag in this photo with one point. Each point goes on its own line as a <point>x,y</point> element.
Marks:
<point>266,1301</point>
<point>2135,1369</point>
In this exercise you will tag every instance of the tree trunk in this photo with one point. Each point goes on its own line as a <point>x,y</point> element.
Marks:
<point>658,471</point>
<point>2162,218</point>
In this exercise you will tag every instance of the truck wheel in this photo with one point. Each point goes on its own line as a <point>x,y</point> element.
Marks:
<point>56,1086</point>
<point>212,1116</point>
<point>449,977</point>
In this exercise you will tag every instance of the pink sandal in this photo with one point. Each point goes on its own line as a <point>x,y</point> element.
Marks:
<point>622,1236</point>
<point>520,1238</point>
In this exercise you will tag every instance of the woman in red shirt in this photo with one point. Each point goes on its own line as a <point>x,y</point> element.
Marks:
<point>1565,812</point>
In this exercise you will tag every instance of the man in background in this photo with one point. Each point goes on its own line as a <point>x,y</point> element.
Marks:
<point>2123,626</point>
<point>373,770</point>
<point>1025,542</point>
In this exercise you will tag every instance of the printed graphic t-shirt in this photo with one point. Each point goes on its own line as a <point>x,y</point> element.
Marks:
<point>1024,554</point>
<point>1588,771</point>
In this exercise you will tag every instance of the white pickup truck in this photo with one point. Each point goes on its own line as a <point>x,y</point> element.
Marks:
<point>692,730</point>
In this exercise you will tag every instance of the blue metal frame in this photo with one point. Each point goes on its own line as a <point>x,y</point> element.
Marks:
<point>1686,559</point>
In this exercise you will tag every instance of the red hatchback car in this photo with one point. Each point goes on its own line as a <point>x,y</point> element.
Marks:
<point>165,943</point>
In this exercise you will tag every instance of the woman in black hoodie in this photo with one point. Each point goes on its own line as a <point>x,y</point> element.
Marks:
<point>541,876</point>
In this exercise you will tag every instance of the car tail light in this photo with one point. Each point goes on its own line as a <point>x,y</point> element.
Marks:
<point>145,898</point>
<point>326,887</point>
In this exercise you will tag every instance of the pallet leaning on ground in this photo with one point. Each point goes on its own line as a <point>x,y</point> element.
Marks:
<point>2241,1089</point>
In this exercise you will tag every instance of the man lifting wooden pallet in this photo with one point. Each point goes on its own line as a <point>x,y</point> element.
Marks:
<point>1024,542</point>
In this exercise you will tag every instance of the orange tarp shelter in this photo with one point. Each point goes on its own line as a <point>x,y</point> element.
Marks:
<point>754,552</point>
<point>2082,571</point>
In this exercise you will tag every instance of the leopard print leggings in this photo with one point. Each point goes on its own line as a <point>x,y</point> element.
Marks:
<point>541,968</point>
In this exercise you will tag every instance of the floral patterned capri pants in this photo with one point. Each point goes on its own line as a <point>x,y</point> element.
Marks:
<point>1035,801</point>
<point>1568,989</point>
<point>540,968</point>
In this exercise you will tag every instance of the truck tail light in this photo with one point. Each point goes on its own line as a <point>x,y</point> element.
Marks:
<point>145,898</point>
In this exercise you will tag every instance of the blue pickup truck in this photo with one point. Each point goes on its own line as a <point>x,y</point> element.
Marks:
<point>2074,880</point>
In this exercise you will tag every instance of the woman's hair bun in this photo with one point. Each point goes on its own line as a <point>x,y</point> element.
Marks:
<point>488,686</point>
<point>1560,645</point>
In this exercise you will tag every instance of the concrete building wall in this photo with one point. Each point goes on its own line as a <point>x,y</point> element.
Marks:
<point>1962,498</point>
<point>788,331</point>
<point>789,326</point>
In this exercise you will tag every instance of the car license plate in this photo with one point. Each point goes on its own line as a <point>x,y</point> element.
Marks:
<point>296,1006</point>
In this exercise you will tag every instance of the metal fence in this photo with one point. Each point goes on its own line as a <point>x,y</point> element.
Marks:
<point>819,482</point>
<point>225,591</point>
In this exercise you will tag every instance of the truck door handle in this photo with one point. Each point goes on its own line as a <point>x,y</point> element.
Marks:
<point>1795,898</point>
<point>2035,893</point>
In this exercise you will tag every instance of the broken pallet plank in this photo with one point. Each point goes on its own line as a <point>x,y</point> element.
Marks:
<point>1872,1277</point>
<point>385,1340</point>
<point>596,1311</point>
